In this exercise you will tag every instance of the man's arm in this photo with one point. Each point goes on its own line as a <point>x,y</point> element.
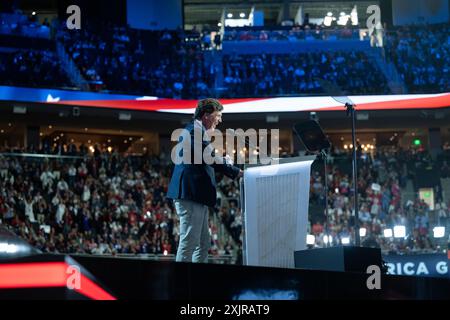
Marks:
<point>228,170</point>
<point>219,164</point>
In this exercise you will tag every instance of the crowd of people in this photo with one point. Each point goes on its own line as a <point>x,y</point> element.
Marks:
<point>301,73</point>
<point>107,203</point>
<point>381,179</point>
<point>176,63</point>
<point>33,68</point>
<point>104,203</point>
<point>16,23</point>
<point>292,34</point>
<point>157,63</point>
<point>422,56</point>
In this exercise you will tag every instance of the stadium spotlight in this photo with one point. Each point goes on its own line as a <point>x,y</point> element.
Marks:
<point>362,232</point>
<point>345,240</point>
<point>230,15</point>
<point>387,233</point>
<point>438,232</point>
<point>33,13</point>
<point>242,15</point>
<point>399,232</point>
<point>310,239</point>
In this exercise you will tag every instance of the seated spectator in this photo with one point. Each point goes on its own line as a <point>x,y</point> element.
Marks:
<point>32,68</point>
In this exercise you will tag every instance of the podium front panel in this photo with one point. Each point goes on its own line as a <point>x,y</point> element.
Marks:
<point>276,213</point>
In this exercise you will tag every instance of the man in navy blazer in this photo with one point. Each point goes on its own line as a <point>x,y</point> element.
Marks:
<point>193,184</point>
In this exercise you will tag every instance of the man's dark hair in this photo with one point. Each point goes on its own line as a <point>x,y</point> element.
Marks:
<point>207,105</point>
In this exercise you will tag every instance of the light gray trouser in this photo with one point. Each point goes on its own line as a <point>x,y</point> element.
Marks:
<point>194,231</point>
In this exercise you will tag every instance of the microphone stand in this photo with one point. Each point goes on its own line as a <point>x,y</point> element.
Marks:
<point>351,112</point>
<point>324,156</point>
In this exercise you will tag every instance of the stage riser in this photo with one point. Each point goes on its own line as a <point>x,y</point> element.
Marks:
<point>163,280</point>
<point>140,279</point>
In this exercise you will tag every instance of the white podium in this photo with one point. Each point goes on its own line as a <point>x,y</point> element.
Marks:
<point>274,201</point>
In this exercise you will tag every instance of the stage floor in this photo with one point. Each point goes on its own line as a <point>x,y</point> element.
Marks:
<point>128,278</point>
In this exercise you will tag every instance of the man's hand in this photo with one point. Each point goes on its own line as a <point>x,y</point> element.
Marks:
<point>228,160</point>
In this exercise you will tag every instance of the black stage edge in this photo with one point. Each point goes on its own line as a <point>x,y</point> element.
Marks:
<point>340,258</point>
<point>143,279</point>
<point>135,278</point>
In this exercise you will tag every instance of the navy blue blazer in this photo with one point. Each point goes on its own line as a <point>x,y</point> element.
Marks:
<point>197,182</point>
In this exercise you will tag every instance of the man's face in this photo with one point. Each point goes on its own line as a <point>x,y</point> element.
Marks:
<point>211,120</point>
